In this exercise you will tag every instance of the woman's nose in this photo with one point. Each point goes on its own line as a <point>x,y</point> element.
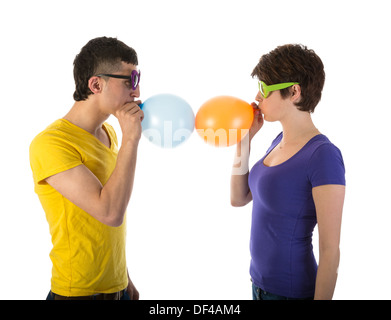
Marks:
<point>259,97</point>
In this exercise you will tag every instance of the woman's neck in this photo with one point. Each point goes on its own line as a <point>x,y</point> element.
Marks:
<point>298,128</point>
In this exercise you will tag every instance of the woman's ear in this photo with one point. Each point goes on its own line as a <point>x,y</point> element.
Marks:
<point>95,85</point>
<point>295,93</point>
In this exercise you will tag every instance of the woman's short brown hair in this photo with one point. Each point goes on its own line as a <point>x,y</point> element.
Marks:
<point>294,63</point>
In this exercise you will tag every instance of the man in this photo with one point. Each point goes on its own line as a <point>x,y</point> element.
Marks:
<point>84,182</point>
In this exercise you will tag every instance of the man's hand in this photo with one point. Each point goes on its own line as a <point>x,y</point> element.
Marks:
<point>129,118</point>
<point>132,291</point>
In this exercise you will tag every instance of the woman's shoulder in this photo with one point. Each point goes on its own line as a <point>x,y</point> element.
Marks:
<point>321,142</point>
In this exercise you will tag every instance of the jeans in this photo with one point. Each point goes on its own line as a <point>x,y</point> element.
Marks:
<point>259,294</point>
<point>124,297</point>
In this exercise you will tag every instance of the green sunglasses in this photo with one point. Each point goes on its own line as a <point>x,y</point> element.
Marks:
<point>264,89</point>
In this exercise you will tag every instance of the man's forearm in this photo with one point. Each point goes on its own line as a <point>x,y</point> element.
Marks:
<point>115,194</point>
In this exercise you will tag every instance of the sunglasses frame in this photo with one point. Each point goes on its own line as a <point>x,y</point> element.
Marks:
<point>264,89</point>
<point>131,78</point>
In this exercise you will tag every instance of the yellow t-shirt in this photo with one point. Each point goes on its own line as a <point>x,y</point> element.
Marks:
<point>88,256</point>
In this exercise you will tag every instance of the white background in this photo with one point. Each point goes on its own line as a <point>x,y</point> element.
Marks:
<point>184,240</point>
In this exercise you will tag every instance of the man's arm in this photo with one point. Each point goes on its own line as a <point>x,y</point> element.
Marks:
<point>106,203</point>
<point>132,291</point>
<point>329,201</point>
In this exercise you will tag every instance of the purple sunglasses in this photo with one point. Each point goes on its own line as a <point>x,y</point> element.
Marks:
<point>134,78</point>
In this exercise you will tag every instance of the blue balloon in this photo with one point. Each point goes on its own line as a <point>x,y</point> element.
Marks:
<point>168,120</point>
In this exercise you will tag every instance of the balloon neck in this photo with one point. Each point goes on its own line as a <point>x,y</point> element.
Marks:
<point>141,105</point>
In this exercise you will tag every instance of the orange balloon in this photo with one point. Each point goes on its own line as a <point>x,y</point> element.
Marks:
<point>224,121</point>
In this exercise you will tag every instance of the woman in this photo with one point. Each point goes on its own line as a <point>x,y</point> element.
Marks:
<point>299,182</point>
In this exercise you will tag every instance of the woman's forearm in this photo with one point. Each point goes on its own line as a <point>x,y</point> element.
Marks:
<point>240,191</point>
<point>326,278</point>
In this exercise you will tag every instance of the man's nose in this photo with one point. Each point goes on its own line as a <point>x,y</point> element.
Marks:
<point>135,93</point>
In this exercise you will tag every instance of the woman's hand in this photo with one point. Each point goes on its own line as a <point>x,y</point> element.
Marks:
<point>257,122</point>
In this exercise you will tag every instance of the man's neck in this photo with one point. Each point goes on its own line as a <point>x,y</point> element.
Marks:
<point>86,115</point>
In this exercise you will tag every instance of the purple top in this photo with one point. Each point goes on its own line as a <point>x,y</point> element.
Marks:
<point>284,216</point>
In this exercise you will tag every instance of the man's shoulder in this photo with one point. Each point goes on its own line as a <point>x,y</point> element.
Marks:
<point>55,132</point>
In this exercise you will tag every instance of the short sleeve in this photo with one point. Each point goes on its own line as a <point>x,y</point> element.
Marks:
<point>51,154</point>
<point>113,136</point>
<point>326,166</point>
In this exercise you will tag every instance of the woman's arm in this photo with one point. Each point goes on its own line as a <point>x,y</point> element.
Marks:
<point>329,201</point>
<point>240,191</point>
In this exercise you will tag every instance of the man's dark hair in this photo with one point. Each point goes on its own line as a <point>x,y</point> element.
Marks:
<point>99,55</point>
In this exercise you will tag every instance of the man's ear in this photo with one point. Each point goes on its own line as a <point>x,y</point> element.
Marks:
<point>95,84</point>
<point>295,93</point>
